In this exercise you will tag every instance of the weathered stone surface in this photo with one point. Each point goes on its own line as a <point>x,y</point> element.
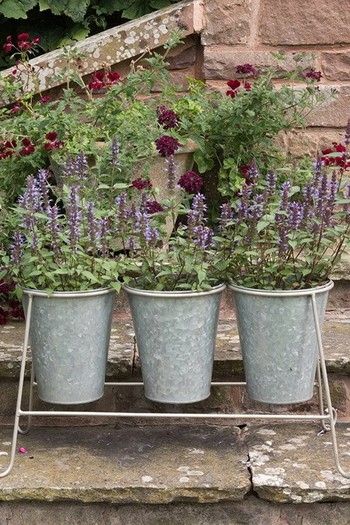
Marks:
<point>303,22</point>
<point>301,143</point>
<point>120,43</point>
<point>126,465</point>
<point>227,22</point>
<point>291,463</point>
<point>281,463</point>
<point>335,112</point>
<point>251,511</point>
<point>336,65</point>
<point>220,61</point>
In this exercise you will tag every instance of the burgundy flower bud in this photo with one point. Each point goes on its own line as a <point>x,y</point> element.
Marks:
<point>246,69</point>
<point>191,182</point>
<point>167,145</point>
<point>153,207</point>
<point>141,184</point>
<point>234,85</point>
<point>52,135</point>
<point>22,37</point>
<point>313,74</point>
<point>167,118</point>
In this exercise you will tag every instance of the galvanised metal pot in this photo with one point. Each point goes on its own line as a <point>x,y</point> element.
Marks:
<point>176,334</point>
<point>69,338</point>
<point>279,342</point>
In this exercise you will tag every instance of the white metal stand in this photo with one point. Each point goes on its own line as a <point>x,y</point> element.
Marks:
<point>330,417</point>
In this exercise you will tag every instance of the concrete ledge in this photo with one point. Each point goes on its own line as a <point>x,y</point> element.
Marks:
<point>121,43</point>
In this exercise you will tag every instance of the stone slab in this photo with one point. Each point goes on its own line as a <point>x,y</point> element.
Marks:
<point>250,511</point>
<point>292,463</point>
<point>127,464</point>
<point>148,464</point>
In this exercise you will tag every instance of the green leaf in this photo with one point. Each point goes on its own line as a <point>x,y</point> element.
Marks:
<point>75,9</point>
<point>16,8</point>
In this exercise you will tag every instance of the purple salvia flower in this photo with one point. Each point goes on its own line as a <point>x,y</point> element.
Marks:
<point>296,214</point>
<point>77,167</point>
<point>73,218</point>
<point>285,196</point>
<point>152,236</point>
<point>196,214</point>
<point>44,188</point>
<point>318,165</point>
<point>31,199</point>
<point>171,172</point>
<point>243,205</point>
<point>271,180</point>
<point>115,153</point>
<point>35,241</point>
<point>16,248</point>
<point>203,237</point>
<point>226,216</point>
<point>253,172</point>
<point>121,204</point>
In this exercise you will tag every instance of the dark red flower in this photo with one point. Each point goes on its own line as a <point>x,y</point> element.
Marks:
<point>246,69</point>
<point>28,147</point>
<point>23,36</point>
<point>113,77</point>
<point>7,48</point>
<point>101,79</point>
<point>45,99</point>
<point>15,109</point>
<point>234,85</point>
<point>141,184</point>
<point>167,117</point>
<point>55,144</point>
<point>36,40</point>
<point>191,182</point>
<point>24,46</point>
<point>313,74</point>
<point>167,145</point>
<point>245,170</point>
<point>51,135</point>
<point>342,160</point>
<point>154,207</point>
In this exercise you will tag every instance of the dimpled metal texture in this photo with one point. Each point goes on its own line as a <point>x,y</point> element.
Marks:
<point>69,338</point>
<point>176,334</point>
<point>279,344</point>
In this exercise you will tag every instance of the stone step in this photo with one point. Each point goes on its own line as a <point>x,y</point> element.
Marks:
<point>177,474</point>
<point>123,365</point>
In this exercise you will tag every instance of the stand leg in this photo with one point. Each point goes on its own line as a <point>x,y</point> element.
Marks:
<point>331,410</point>
<point>30,404</point>
<point>20,393</point>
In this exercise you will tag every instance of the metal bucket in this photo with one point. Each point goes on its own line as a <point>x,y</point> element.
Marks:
<point>176,334</point>
<point>279,342</point>
<point>69,338</point>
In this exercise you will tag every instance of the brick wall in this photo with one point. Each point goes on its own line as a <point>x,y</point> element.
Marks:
<point>240,31</point>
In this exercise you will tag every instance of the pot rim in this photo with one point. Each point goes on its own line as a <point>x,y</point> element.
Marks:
<point>176,294</point>
<point>69,294</point>
<point>282,293</point>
